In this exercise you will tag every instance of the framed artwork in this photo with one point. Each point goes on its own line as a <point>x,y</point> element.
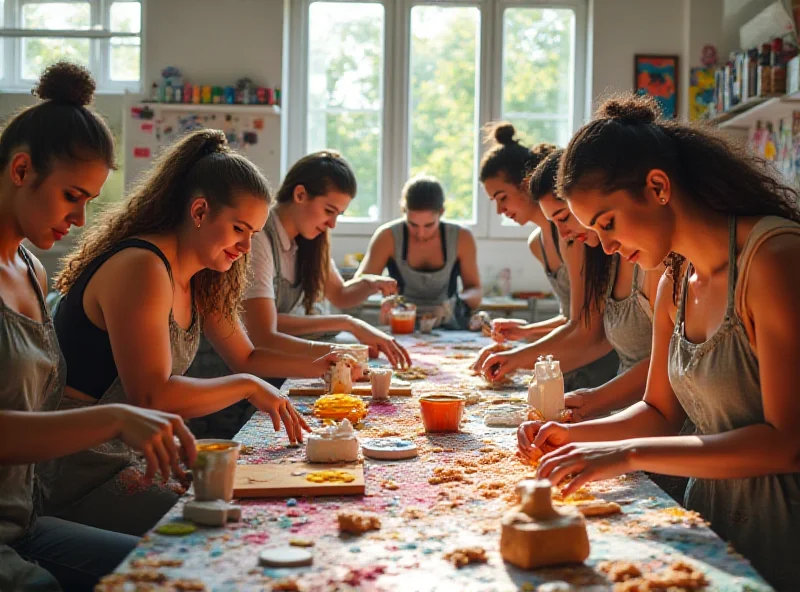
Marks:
<point>657,76</point>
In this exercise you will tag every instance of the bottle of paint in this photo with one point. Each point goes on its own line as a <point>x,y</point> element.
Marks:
<point>546,390</point>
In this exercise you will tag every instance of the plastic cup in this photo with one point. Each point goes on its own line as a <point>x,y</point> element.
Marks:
<point>442,413</point>
<point>403,319</point>
<point>214,471</point>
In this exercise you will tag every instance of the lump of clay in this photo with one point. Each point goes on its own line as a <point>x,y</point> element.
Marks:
<point>333,444</point>
<point>534,534</point>
<point>506,415</point>
<point>356,522</point>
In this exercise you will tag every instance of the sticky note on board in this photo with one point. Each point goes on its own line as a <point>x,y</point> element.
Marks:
<point>147,127</point>
<point>141,152</point>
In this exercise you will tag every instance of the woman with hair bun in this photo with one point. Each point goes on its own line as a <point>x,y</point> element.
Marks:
<point>506,173</point>
<point>55,157</point>
<point>726,323</point>
<point>145,280</point>
<point>427,256</point>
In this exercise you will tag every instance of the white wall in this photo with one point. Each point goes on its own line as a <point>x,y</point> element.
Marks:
<point>735,14</point>
<point>216,42</point>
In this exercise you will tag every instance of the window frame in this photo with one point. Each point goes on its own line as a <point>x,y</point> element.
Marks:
<point>394,157</point>
<point>99,36</point>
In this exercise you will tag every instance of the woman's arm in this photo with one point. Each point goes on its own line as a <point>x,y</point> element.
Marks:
<point>471,291</point>
<point>140,343</point>
<point>354,291</point>
<point>237,350</point>
<point>620,392</point>
<point>30,437</point>
<point>573,344</point>
<point>260,318</point>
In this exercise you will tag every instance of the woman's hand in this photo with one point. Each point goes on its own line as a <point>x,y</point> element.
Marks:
<point>369,335</point>
<point>578,402</point>
<point>536,438</point>
<point>153,434</point>
<point>485,353</point>
<point>585,462</point>
<point>380,283</point>
<point>267,399</point>
<point>509,330</point>
<point>500,364</point>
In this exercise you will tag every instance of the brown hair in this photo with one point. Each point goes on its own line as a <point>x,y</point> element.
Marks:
<point>60,127</point>
<point>201,163</point>
<point>628,138</point>
<point>422,193</point>
<point>319,173</point>
<point>542,179</point>
<point>508,157</point>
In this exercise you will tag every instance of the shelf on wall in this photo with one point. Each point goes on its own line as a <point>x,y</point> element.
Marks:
<point>744,115</point>
<point>216,108</point>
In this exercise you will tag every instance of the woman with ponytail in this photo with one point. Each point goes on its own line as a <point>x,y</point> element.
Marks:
<point>727,326</point>
<point>506,173</point>
<point>611,309</point>
<point>145,280</point>
<point>54,158</point>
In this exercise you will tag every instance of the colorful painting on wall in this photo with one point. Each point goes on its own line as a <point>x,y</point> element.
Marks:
<point>657,75</point>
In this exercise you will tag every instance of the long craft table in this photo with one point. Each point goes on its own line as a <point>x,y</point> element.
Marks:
<point>422,520</point>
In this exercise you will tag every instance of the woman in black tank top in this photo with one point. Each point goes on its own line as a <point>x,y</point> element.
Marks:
<point>145,280</point>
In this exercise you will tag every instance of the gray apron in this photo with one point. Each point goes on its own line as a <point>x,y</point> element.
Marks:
<point>33,372</point>
<point>100,487</point>
<point>718,384</point>
<point>227,422</point>
<point>628,323</point>
<point>597,372</point>
<point>428,290</point>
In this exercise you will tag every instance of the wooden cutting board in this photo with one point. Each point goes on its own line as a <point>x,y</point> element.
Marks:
<point>316,388</point>
<point>289,480</point>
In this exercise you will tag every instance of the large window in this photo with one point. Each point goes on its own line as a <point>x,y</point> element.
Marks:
<point>103,35</point>
<point>403,87</point>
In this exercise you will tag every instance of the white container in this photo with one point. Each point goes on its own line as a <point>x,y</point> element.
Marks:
<point>214,471</point>
<point>359,351</point>
<point>546,390</point>
<point>381,381</point>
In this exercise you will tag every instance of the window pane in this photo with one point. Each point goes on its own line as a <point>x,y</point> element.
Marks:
<point>38,53</point>
<point>126,17</point>
<point>345,98</point>
<point>444,103</point>
<point>56,15</point>
<point>539,72</point>
<point>125,58</point>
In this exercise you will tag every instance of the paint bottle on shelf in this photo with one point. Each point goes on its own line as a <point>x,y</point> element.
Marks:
<point>764,71</point>
<point>777,67</point>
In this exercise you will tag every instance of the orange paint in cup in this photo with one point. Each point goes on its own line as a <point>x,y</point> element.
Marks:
<point>402,320</point>
<point>442,413</point>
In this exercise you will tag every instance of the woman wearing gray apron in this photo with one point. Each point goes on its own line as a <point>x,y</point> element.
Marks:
<point>725,332</point>
<point>286,265</point>
<point>507,176</point>
<point>36,160</point>
<point>427,256</point>
<point>194,217</point>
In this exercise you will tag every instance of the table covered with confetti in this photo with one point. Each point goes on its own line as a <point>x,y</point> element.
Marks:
<point>438,515</point>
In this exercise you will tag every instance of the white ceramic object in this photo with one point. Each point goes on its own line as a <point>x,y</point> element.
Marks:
<point>381,381</point>
<point>216,513</point>
<point>214,471</point>
<point>285,557</point>
<point>389,449</point>
<point>333,444</point>
<point>546,389</point>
